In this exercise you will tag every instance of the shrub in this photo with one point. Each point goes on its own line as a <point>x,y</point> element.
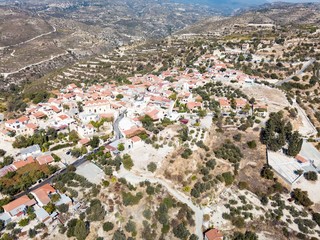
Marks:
<point>130,199</point>
<point>243,185</point>
<point>186,153</point>
<point>264,200</point>
<point>252,144</point>
<point>131,226</point>
<point>316,217</point>
<point>127,162</point>
<point>301,197</point>
<point>108,226</point>
<point>63,208</point>
<point>237,137</point>
<point>228,178</point>
<point>266,172</point>
<point>2,152</point>
<point>238,222</point>
<point>311,176</point>
<point>152,167</point>
<point>181,231</point>
<point>24,222</point>
<point>229,152</point>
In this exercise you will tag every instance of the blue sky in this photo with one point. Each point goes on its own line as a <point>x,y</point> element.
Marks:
<point>295,1</point>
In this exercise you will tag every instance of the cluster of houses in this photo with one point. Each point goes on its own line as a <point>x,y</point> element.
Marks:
<point>37,200</point>
<point>27,156</point>
<point>76,106</point>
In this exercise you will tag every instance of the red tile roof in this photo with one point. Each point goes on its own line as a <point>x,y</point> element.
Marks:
<point>135,139</point>
<point>24,200</point>
<point>45,159</point>
<point>43,192</point>
<point>214,234</point>
<point>301,159</point>
<point>22,163</point>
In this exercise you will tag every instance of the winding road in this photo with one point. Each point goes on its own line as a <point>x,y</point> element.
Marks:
<point>136,178</point>
<point>31,39</point>
<point>304,67</point>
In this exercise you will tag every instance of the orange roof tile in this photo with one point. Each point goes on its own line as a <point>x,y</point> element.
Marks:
<point>224,102</point>
<point>39,114</point>
<point>63,117</point>
<point>23,119</point>
<point>22,163</point>
<point>43,192</point>
<point>214,234</point>
<point>84,141</point>
<point>32,126</point>
<point>301,159</point>
<point>24,200</point>
<point>45,159</point>
<point>135,139</point>
<point>192,105</point>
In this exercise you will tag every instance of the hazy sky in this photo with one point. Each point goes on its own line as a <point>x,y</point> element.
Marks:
<point>295,1</point>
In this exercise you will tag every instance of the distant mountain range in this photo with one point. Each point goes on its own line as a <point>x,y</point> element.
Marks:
<point>229,6</point>
<point>226,6</point>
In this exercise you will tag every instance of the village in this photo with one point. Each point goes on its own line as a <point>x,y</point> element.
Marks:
<point>82,119</point>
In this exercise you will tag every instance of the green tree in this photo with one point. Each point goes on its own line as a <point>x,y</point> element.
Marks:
<point>81,230</point>
<point>24,222</point>
<point>311,176</point>
<point>301,197</point>
<point>119,235</point>
<point>94,142</point>
<point>228,178</point>
<point>152,167</point>
<point>252,144</point>
<point>121,147</point>
<point>73,136</point>
<point>127,162</point>
<point>108,226</point>
<point>181,231</point>
<point>63,208</point>
<point>295,144</point>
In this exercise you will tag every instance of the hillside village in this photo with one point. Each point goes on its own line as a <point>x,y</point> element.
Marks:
<point>219,142</point>
<point>81,119</point>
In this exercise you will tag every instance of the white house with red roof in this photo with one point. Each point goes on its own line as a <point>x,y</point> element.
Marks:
<point>86,130</point>
<point>16,124</point>
<point>98,106</point>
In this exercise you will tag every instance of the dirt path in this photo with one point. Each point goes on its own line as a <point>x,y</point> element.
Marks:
<point>5,75</point>
<point>31,39</point>
<point>136,178</point>
<point>307,128</point>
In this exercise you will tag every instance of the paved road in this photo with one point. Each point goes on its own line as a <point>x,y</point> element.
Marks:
<point>304,67</point>
<point>116,129</point>
<point>135,179</point>
<point>79,161</point>
<point>76,163</point>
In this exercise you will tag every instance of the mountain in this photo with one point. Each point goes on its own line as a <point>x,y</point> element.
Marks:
<point>286,14</point>
<point>227,6</point>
